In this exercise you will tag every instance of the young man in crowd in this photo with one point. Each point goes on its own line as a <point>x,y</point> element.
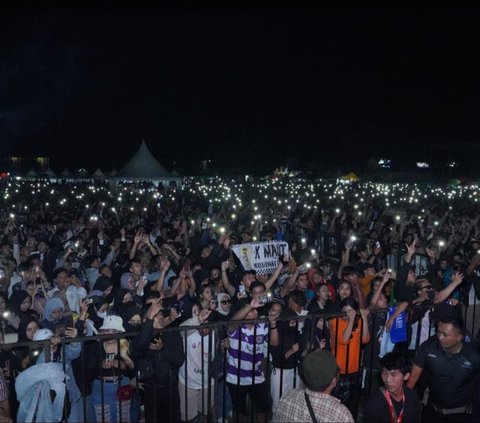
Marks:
<point>393,402</point>
<point>246,352</point>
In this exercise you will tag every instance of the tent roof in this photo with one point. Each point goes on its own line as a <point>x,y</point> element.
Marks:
<point>49,172</point>
<point>98,174</point>
<point>143,165</point>
<point>31,172</point>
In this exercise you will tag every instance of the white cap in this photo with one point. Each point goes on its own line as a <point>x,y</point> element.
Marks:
<point>42,335</point>
<point>113,322</point>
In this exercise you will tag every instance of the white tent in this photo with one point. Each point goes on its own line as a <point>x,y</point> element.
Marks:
<point>98,174</point>
<point>143,166</point>
<point>66,173</point>
<point>31,173</point>
<point>49,173</point>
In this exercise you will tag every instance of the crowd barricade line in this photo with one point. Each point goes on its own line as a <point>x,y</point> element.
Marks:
<point>216,361</point>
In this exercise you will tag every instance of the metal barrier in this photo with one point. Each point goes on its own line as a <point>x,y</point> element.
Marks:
<point>211,382</point>
<point>208,376</point>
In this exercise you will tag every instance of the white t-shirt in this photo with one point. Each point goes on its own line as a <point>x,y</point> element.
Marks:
<point>196,378</point>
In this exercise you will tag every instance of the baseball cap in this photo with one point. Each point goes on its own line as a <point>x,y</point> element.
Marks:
<point>318,369</point>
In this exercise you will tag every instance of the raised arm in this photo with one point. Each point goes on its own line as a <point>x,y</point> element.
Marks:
<point>345,261</point>
<point>269,283</point>
<point>399,309</point>
<point>229,288</point>
<point>136,241</point>
<point>242,313</point>
<point>289,284</point>
<point>164,266</point>
<point>457,279</point>
<point>365,331</point>
<point>347,333</point>
<point>376,296</point>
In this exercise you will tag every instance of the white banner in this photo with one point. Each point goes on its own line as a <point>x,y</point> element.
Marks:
<point>261,256</point>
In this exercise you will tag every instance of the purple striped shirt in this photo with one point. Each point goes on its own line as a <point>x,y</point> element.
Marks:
<point>246,351</point>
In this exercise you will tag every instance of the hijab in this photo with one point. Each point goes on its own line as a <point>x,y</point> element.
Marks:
<point>16,301</point>
<point>22,327</point>
<point>52,304</point>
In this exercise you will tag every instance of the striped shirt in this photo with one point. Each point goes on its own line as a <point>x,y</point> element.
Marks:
<point>246,351</point>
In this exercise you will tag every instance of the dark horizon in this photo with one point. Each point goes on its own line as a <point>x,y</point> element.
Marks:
<point>311,86</point>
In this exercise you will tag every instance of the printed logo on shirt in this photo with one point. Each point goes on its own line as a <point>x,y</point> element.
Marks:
<point>432,355</point>
<point>467,365</point>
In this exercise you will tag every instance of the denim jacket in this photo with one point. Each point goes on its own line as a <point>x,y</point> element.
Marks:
<point>72,351</point>
<point>33,387</point>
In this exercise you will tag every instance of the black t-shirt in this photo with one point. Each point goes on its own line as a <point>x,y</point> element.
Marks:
<point>376,408</point>
<point>450,376</point>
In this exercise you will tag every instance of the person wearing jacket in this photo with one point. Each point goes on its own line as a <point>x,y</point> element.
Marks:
<point>34,387</point>
<point>159,356</point>
<point>71,352</point>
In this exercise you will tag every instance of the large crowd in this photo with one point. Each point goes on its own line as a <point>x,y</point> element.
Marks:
<point>385,278</point>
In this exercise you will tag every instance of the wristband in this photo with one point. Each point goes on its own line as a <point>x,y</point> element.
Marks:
<point>273,327</point>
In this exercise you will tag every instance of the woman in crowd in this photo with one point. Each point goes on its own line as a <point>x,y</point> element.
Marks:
<point>123,300</point>
<point>112,371</point>
<point>55,318</point>
<point>224,304</point>
<point>344,291</point>
<point>20,304</point>
<point>22,357</point>
<point>348,334</point>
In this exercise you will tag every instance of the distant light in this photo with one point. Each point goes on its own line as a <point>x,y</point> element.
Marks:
<point>423,165</point>
<point>385,163</point>
<point>453,164</point>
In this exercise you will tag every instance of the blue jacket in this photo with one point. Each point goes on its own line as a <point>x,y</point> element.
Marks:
<point>33,387</point>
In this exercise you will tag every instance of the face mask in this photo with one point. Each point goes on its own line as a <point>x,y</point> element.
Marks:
<point>102,314</point>
<point>134,326</point>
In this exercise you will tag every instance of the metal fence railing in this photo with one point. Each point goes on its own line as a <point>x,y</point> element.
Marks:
<point>216,370</point>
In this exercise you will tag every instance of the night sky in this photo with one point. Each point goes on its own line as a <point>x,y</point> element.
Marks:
<point>254,88</point>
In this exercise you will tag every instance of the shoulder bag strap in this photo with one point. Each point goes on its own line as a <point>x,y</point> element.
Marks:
<point>310,409</point>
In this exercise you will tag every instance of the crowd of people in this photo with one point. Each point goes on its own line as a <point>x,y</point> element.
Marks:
<point>371,316</point>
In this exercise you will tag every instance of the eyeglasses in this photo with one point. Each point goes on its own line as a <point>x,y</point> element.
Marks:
<point>226,301</point>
